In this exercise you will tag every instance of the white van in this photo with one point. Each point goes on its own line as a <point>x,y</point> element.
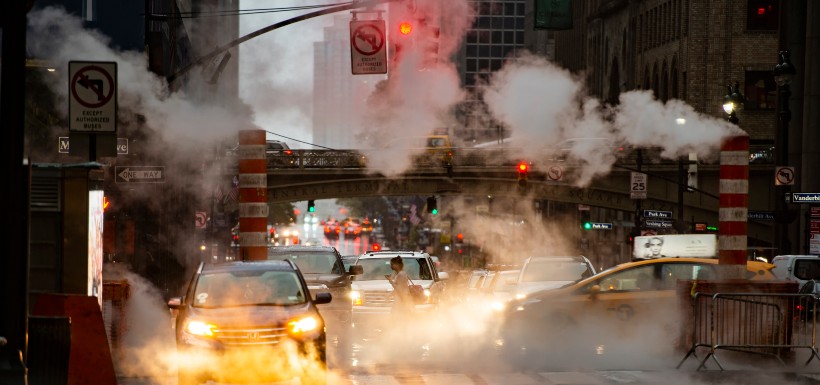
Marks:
<point>798,268</point>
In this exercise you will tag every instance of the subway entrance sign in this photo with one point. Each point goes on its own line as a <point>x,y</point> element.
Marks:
<point>139,174</point>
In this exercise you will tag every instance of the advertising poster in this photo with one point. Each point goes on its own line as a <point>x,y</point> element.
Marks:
<point>678,245</point>
<point>95,244</point>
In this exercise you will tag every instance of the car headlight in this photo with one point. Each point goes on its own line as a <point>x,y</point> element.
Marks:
<point>199,328</point>
<point>303,325</point>
<point>356,297</point>
<point>498,306</point>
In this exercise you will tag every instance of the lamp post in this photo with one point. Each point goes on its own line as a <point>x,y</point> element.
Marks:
<point>732,102</point>
<point>680,224</point>
<point>784,73</point>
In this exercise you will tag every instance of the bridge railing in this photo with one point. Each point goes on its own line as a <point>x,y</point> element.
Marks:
<point>473,157</point>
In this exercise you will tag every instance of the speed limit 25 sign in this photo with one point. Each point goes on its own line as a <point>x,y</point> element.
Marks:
<point>637,188</point>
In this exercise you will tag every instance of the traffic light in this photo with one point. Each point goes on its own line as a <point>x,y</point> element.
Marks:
<point>311,206</point>
<point>405,28</point>
<point>431,45</point>
<point>523,169</point>
<point>405,38</point>
<point>376,247</point>
<point>630,237</point>
<point>431,205</point>
<point>586,223</point>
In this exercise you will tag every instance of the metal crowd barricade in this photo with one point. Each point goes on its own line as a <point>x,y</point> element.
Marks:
<point>764,324</point>
<point>114,310</point>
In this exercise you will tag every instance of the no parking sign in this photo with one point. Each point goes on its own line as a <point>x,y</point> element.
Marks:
<point>92,96</point>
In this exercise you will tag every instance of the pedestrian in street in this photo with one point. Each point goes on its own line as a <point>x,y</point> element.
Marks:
<point>403,304</point>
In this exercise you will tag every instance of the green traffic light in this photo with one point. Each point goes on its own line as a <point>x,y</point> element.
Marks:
<point>434,211</point>
<point>587,226</point>
<point>312,209</point>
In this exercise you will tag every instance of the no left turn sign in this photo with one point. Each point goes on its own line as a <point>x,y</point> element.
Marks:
<point>784,176</point>
<point>555,173</point>
<point>367,47</point>
<point>92,90</point>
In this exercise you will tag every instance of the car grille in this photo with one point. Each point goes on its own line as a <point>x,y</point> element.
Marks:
<point>378,298</point>
<point>251,336</point>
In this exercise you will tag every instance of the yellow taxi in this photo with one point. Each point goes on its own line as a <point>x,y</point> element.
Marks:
<point>627,304</point>
<point>441,149</point>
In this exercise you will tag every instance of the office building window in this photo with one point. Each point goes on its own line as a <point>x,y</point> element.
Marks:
<point>760,90</point>
<point>762,15</point>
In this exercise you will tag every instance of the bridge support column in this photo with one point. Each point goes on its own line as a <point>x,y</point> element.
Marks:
<point>253,196</point>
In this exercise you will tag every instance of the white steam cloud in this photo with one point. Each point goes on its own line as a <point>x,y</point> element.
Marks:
<point>543,104</point>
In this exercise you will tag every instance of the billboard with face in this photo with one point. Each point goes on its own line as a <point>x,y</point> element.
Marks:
<point>679,245</point>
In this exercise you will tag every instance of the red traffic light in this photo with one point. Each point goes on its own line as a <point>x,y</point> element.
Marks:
<point>376,247</point>
<point>405,28</point>
<point>460,236</point>
<point>523,167</point>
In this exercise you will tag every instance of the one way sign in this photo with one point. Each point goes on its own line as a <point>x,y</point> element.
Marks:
<point>140,174</point>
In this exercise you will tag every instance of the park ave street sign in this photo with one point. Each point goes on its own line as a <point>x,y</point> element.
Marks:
<point>139,174</point>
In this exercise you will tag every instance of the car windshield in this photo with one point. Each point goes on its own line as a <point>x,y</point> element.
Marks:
<point>310,262</point>
<point>436,142</point>
<point>505,281</point>
<point>248,288</point>
<point>547,270</point>
<point>377,268</point>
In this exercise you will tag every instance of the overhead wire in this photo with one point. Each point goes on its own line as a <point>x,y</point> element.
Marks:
<point>300,141</point>
<point>242,12</point>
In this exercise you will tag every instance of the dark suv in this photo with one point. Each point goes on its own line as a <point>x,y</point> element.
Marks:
<point>249,322</point>
<point>324,272</point>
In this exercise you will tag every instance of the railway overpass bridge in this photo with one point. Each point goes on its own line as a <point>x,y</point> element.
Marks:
<point>326,174</point>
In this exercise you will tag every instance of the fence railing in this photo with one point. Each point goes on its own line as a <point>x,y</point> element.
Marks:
<point>773,325</point>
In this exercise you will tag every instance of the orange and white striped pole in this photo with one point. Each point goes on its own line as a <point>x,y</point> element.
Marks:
<point>734,205</point>
<point>253,196</point>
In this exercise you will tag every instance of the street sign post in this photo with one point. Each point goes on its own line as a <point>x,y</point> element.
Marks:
<point>638,185</point>
<point>761,215</point>
<point>64,145</point>
<point>656,214</point>
<point>368,52</point>
<point>658,224</point>
<point>805,197</point>
<point>139,174</point>
<point>601,226</point>
<point>92,93</point>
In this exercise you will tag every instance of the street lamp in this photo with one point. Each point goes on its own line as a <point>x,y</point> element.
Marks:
<point>732,102</point>
<point>784,73</point>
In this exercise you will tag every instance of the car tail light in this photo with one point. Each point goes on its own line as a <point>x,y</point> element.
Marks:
<point>288,152</point>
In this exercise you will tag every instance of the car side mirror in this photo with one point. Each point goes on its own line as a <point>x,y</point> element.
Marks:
<point>356,269</point>
<point>323,298</point>
<point>593,291</point>
<point>175,302</point>
<point>442,275</point>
